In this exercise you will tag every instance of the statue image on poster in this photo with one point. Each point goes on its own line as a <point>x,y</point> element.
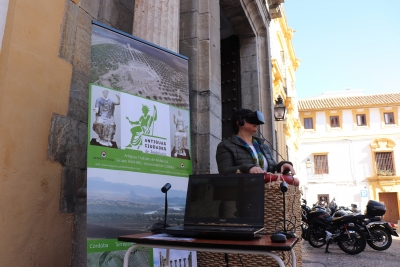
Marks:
<point>104,125</point>
<point>143,126</point>
<point>180,136</point>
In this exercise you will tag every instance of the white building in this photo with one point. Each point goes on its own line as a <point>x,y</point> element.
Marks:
<point>349,149</point>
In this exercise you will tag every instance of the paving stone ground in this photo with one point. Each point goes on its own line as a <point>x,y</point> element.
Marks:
<point>315,257</point>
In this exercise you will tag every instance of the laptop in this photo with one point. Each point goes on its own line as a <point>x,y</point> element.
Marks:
<point>223,206</point>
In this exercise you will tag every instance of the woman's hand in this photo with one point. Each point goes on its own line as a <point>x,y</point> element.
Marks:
<point>286,168</point>
<point>256,169</point>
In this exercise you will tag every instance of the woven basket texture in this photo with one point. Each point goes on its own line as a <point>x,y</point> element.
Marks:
<point>273,220</point>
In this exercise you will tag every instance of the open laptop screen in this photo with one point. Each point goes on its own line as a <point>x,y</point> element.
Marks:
<point>225,199</point>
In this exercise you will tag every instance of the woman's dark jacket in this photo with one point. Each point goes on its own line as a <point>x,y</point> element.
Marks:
<point>233,156</point>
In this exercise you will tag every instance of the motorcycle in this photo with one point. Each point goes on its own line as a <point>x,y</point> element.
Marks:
<point>377,232</point>
<point>333,207</point>
<point>322,205</point>
<point>304,212</point>
<point>324,229</point>
<point>339,211</point>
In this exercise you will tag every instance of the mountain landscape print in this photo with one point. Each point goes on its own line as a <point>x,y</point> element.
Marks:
<point>117,208</point>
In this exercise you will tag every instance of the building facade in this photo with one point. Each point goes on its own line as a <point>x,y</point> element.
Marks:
<point>44,77</point>
<point>284,64</point>
<point>350,149</point>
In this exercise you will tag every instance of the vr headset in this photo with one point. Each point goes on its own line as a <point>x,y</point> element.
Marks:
<point>255,117</point>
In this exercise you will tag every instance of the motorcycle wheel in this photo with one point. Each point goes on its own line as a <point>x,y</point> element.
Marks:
<point>354,244</point>
<point>380,238</point>
<point>315,237</point>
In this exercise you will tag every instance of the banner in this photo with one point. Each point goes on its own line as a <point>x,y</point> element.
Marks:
<point>139,140</point>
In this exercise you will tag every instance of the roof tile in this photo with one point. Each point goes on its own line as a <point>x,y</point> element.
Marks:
<point>349,102</point>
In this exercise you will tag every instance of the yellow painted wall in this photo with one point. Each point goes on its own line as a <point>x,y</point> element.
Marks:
<point>34,84</point>
<point>283,76</point>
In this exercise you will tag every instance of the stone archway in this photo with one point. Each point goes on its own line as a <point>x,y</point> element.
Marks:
<point>250,19</point>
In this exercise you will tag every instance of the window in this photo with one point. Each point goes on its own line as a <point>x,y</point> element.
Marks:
<point>308,124</point>
<point>389,118</point>
<point>334,121</point>
<point>308,120</point>
<point>384,164</point>
<point>361,120</point>
<point>321,164</point>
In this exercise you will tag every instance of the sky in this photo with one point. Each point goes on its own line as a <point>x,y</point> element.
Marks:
<point>144,179</point>
<point>345,44</point>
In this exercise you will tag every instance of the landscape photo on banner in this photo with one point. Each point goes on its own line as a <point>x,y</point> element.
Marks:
<point>138,140</point>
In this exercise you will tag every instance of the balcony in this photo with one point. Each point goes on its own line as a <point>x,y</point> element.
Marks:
<point>386,173</point>
<point>274,7</point>
<point>275,12</point>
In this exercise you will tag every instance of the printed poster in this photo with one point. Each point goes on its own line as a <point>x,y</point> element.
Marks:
<point>138,140</point>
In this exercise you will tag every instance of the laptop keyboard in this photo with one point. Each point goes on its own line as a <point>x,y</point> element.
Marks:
<point>220,228</point>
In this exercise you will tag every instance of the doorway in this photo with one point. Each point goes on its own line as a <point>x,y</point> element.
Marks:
<point>390,199</point>
<point>230,82</point>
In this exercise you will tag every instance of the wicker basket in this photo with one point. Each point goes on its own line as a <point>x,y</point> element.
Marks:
<point>273,217</point>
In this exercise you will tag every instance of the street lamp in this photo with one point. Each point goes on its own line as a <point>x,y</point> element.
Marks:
<point>279,109</point>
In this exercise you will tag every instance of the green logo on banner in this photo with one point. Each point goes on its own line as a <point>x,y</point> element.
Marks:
<point>143,126</point>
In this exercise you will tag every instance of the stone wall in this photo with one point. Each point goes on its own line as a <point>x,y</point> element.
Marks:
<point>68,134</point>
<point>157,21</point>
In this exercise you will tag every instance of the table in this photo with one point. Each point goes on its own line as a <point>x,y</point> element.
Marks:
<point>262,246</point>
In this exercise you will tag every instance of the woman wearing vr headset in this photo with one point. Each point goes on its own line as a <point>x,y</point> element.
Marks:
<point>245,153</point>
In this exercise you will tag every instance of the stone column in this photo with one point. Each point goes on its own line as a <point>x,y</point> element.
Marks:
<point>200,42</point>
<point>157,21</point>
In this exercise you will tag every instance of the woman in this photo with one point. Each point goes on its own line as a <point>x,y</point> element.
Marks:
<point>245,153</point>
